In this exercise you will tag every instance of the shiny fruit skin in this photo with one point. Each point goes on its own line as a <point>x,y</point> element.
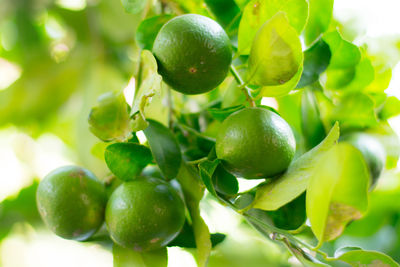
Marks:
<point>144,214</point>
<point>193,53</point>
<point>71,202</point>
<point>255,143</point>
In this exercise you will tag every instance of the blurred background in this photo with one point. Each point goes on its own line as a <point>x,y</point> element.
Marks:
<point>58,56</point>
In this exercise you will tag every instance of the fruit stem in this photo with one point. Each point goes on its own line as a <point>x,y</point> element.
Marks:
<point>170,107</point>
<point>197,161</point>
<point>242,86</point>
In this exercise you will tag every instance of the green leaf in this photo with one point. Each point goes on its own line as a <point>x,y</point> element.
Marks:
<point>224,182</point>
<point>110,120</point>
<point>311,124</point>
<point>337,192</point>
<point>283,89</point>
<point>319,18</point>
<point>257,12</point>
<point>355,110</point>
<point>222,113</point>
<point>289,217</point>
<point>227,12</point>
<point>193,6</point>
<point>316,60</point>
<point>148,29</point>
<point>344,53</point>
<point>44,86</point>
<point>276,54</point>
<point>165,148</point>
<point>206,171</point>
<point>390,108</point>
<point>193,190</point>
<point>360,258</point>
<point>382,75</point>
<point>351,79</point>
<point>127,160</point>
<point>186,239</point>
<point>364,75</point>
<point>289,107</point>
<point>134,6</point>
<point>124,257</point>
<point>19,208</point>
<point>150,85</point>
<point>217,179</point>
<point>294,182</point>
<point>390,141</point>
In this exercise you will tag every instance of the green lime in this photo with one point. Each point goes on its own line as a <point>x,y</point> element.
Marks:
<point>193,53</point>
<point>255,143</point>
<point>372,151</point>
<point>71,201</point>
<point>144,214</point>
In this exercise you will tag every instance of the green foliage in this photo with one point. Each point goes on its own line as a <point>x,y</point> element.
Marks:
<point>149,82</point>
<point>165,148</point>
<point>361,257</point>
<point>20,208</point>
<point>337,192</point>
<point>134,6</point>
<point>316,60</point>
<point>127,160</point>
<point>319,18</point>
<point>276,53</point>
<point>148,29</point>
<point>226,12</point>
<point>390,108</point>
<point>311,124</point>
<point>257,12</point>
<point>124,257</point>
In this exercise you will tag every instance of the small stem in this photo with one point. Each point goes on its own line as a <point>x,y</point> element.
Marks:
<point>242,85</point>
<point>236,75</point>
<point>170,107</point>
<point>298,230</point>
<point>197,161</point>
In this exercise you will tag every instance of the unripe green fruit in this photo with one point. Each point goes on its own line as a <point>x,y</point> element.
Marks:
<point>193,53</point>
<point>255,143</point>
<point>71,201</point>
<point>144,214</point>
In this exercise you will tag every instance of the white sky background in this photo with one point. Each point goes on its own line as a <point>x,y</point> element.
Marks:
<point>376,18</point>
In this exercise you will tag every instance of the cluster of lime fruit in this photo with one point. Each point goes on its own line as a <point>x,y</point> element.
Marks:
<point>193,55</point>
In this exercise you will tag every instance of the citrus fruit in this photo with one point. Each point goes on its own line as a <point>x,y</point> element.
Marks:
<point>372,151</point>
<point>255,143</point>
<point>71,202</point>
<point>144,214</point>
<point>193,53</point>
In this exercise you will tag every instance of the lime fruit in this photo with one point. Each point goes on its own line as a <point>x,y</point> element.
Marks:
<point>144,214</point>
<point>193,53</point>
<point>372,151</point>
<point>255,143</point>
<point>71,201</point>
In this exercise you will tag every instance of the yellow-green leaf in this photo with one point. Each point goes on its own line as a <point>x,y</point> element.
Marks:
<point>276,54</point>
<point>150,86</point>
<point>337,192</point>
<point>257,12</point>
<point>283,89</point>
<point>124,257</point>
<point>319,18</point>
